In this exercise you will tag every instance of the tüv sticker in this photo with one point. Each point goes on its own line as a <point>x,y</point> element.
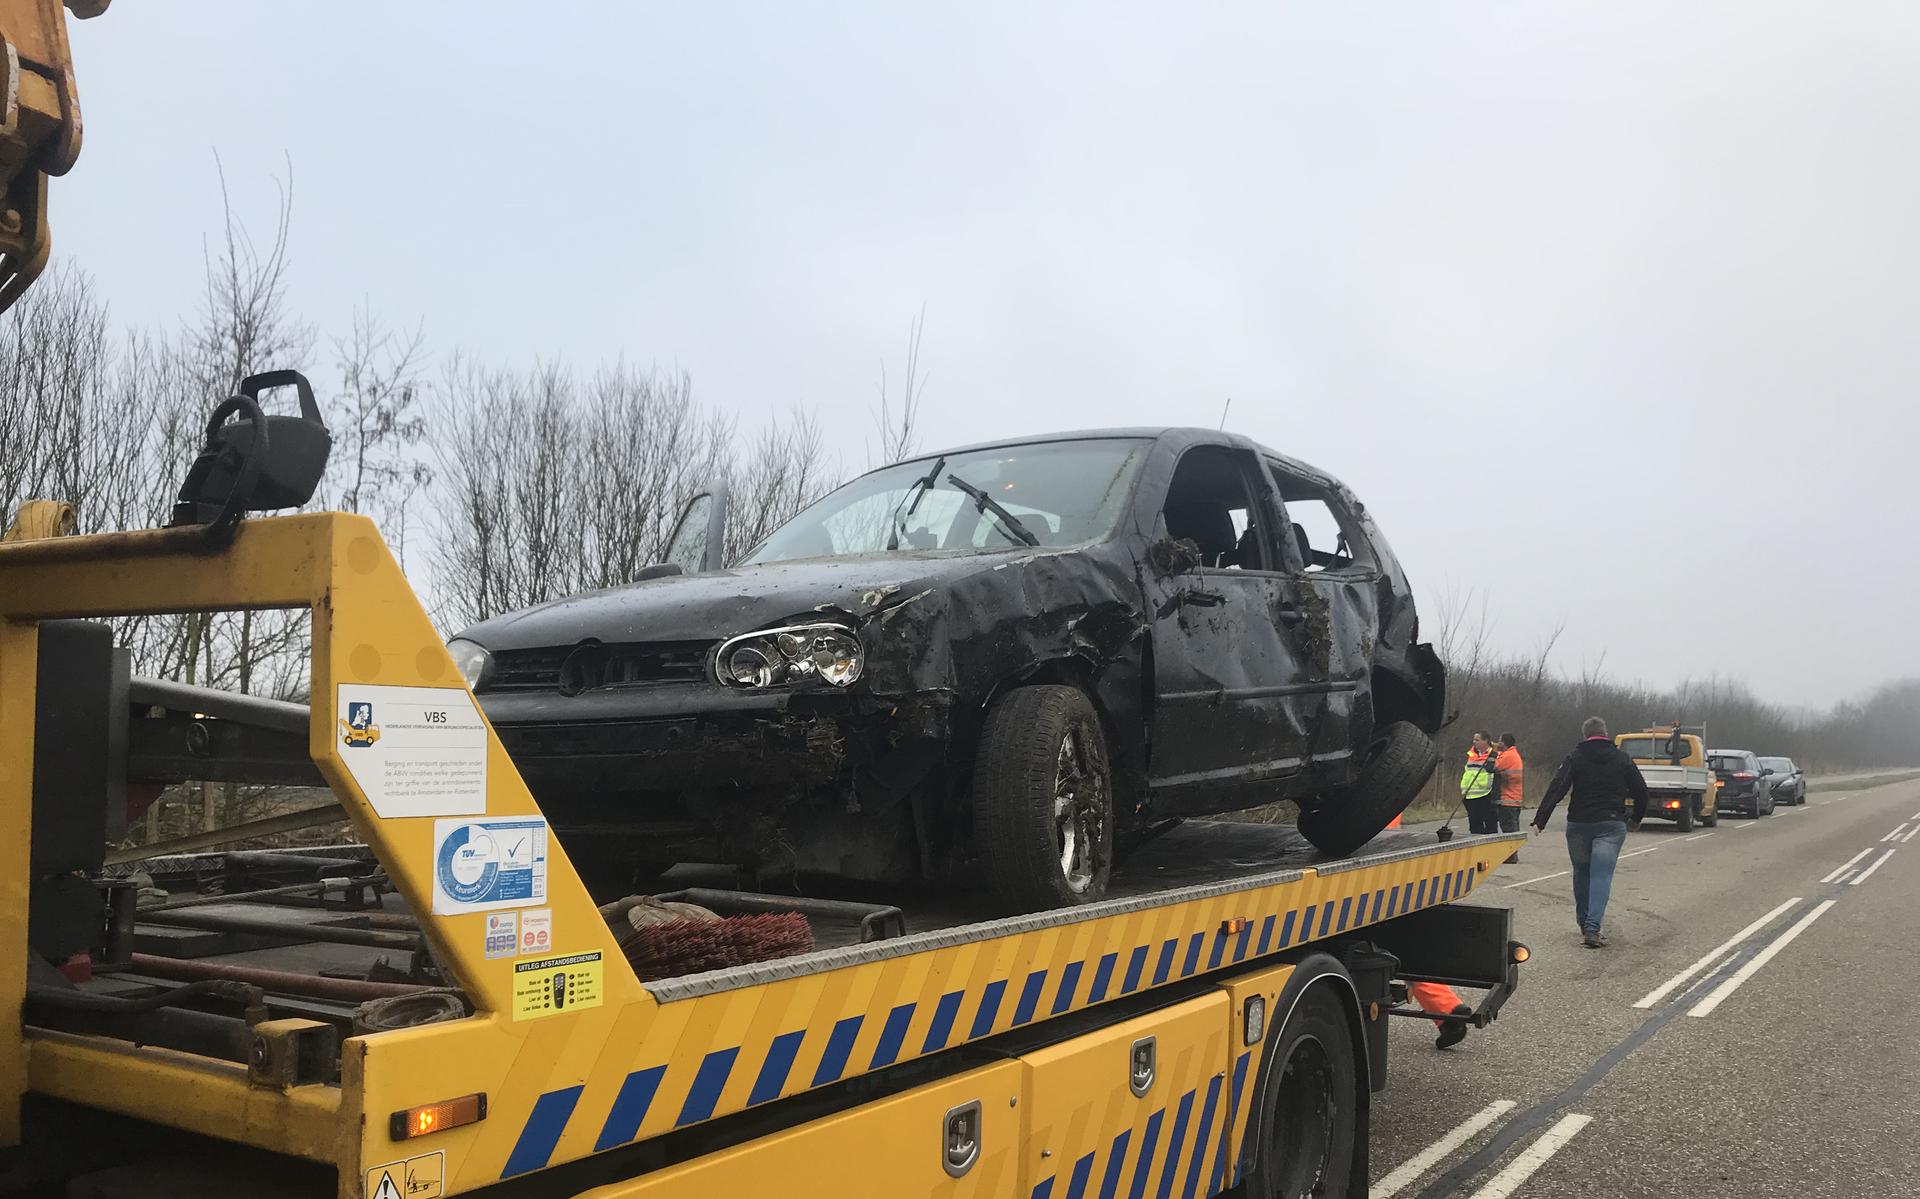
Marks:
<point>481,865</point>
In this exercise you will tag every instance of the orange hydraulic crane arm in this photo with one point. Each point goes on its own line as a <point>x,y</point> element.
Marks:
<point>39,129</point>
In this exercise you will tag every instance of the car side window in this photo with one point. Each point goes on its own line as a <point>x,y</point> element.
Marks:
<point>1326,534</point>
<point>1210,503</point>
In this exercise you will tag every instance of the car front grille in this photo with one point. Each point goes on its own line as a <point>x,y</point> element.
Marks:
<point>575,668</point>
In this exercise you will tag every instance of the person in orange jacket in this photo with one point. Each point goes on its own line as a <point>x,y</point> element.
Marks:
<point>1440,999</point>
<point>1508,772</point>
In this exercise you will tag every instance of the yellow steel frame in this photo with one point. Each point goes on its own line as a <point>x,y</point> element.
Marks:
<point>642,1062</point>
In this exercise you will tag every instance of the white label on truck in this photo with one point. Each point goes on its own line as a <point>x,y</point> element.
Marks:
<point>415,751</point>
<point>483,865</point>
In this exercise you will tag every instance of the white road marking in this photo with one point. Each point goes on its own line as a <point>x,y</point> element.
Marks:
<point>1563,873</point>
<point>1748,824</point>
<point>1842,866</point>
<point>1868,872</point>
<point>1719,994</point>
<point>1909,836</point>
<point>1427,1158</point>
<point>1696,836</point>
<point>1845,875</point>
<point>1507,1181</point>
<point>1713,955</point>
<point>1895,834</point>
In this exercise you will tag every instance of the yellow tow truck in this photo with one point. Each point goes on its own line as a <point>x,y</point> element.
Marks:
<point>440,1007</point>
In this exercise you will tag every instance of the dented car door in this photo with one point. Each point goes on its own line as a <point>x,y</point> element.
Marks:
<point>1234,706</point>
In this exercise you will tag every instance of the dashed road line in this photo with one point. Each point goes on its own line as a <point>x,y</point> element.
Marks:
<point>1696,836</point>
<point>1713,955</point>
<point>1909,836</point>
<point>1739,977</point>
<point>1895,834</point>
<point>1834,876</point>
<point>1507,1181</point>
<point>1410,1170</point>
<point>1868,872</point>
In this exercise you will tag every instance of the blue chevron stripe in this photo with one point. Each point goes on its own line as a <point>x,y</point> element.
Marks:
<point>1077,1185</point>
<point>1069,983</point>
<point>989,1009</point>
<point>943,1016</point>
<point>1102,975</point>
<point>1176,1143</point>
<point>629,1108</point>
<point>893,1034</point>
<point>1116,1157</point>
<point>774,1070</point>
<point>1143,1169</point>
<point>707,1085</point>
<point>1029,997</point>
<point>833,1059</point>
<point>541,1133</point>
<point>1135,964</point>
<point>1201,1138</point>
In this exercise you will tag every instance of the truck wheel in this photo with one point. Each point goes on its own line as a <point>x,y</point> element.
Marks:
<point>1398,764</point>
<point>1309,1105</point>
<point>1043,800</point>
<point>1685,818</point>
<point>1711,819</point>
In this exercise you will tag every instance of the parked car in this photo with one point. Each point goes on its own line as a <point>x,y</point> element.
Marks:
<point>1012,660</point>
<point>1743,787</point>
<point>1788,782</point>
<point>1673,761</point>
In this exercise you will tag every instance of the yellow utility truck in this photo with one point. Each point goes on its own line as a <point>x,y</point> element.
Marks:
<point>1673,760</point>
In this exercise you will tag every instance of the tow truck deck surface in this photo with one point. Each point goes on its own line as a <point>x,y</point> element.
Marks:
<point>1047,1054</point>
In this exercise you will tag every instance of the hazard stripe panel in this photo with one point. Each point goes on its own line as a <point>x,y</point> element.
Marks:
<point>713,1054</point>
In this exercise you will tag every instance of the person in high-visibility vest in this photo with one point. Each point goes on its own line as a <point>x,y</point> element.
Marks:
<point>1476,785</point>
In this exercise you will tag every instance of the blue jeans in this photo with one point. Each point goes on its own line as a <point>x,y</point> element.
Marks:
<point>1594,847</point>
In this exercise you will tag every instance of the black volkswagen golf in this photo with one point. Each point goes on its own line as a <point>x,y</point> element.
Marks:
<point>1010,661</point>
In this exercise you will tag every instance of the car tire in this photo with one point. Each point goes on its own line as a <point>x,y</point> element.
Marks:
<point>1303,1130</point>
<point>1685,819</point>
<point>1043,800</point>
<point>1399,761</point>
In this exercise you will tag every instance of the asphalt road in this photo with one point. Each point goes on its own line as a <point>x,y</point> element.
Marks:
<point>1782,1066</point>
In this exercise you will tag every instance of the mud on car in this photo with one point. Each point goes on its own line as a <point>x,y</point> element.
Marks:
<point>1009,662</point>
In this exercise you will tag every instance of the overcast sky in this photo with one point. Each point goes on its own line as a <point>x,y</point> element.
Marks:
<point>1606,309</point>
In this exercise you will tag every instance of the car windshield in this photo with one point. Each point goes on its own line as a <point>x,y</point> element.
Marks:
<point>1057,493</point>
<point>1729,763</point>
<point>1778,765</point>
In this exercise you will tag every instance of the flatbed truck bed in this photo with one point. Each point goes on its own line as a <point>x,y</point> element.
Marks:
<point>1158,1038</point>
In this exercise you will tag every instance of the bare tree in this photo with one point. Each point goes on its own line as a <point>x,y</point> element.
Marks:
<point>898,421</point>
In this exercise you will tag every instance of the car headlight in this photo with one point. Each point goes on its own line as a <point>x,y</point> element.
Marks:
<point>473,660</point>
<point>830,653</point>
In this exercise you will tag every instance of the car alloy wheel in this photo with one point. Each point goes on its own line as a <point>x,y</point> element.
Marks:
<point>1079,812</point>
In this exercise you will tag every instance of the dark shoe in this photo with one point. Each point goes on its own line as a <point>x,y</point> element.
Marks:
<point>1453,1034</point>
<point>1592,939</point>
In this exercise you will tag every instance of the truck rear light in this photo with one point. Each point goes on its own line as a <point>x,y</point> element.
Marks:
<point>437,1117</point>
<point>1673,803</point>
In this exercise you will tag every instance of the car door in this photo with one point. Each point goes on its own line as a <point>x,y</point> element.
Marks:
<point>1233,704</point>
<point>1337,566</point>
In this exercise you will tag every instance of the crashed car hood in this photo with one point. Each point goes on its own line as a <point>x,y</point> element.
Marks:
<point>721,603</point>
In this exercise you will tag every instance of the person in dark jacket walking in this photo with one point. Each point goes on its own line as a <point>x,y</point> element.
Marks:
<point>1602,779</point>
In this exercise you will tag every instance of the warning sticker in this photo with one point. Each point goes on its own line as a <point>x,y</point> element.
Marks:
<point>420,1177</point>
<point>536,931</point>
<point>481,865</point>
<point>503,934</point>
<point>415,751</point>
<point>550,986</point>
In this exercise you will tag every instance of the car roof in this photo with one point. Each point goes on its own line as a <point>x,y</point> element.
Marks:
<point>1728,753</point>
<point>1180,436</point>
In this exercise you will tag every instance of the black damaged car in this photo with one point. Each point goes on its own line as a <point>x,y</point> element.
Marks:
<point>1013,661</point>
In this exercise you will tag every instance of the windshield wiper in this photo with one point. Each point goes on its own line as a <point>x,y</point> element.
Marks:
<point>983,501</point>
<point>911,501</point>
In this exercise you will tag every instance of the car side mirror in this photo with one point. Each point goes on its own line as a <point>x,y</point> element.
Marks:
<point>1175,555</point>
<point>1765,771</point>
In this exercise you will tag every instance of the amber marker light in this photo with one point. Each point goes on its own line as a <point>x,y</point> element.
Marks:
<point>437,1117</point>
